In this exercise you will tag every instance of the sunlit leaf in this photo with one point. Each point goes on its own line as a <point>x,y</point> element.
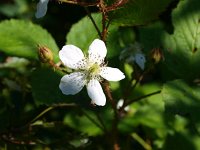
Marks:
<point>20,38</point>
<point>181,48</point>
<point>83,33</point>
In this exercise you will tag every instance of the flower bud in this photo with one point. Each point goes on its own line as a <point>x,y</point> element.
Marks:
<point>156,55</point>
<point>45,54</point>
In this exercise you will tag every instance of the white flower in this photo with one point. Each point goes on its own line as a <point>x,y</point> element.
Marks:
<point>87,71</point>
<point>41,8</point>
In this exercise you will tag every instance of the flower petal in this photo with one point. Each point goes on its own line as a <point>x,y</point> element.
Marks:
<point>97,51</point>
<point>72,83</point>
<point>140,60</point>
<point>72,57</point>
<point>41,8</point>
<point>111,74</point>
<point>96,93</point>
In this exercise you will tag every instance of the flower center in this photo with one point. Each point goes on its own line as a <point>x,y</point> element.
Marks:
<point>94,69</point>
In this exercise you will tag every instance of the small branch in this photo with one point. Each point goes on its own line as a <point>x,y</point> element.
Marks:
<point>41,114</point>
<point>141,141</point>
<point>52,107</point>
<point>138,80</point>
<point>139,98</point>
<point>44,112</point>
<point>91,18</point>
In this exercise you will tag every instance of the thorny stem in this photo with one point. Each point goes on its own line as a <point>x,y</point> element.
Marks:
<point>114,130</point>
<point>104,10</point>
<point>116,5</point>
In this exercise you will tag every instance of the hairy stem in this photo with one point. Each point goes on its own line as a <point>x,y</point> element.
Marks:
<point>114,131</point>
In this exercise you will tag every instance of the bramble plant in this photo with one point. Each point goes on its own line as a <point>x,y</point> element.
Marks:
<point>58,61</point>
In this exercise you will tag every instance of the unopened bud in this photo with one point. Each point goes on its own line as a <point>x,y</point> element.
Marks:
<point>156,55</point>
<point>45,54</point>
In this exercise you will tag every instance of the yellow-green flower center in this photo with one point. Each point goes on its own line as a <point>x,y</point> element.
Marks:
<point>94,69</point>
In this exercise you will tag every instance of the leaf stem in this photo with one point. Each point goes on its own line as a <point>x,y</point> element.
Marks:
<point>128,102</point>
<point>141,141</point>
<point>91,18</point>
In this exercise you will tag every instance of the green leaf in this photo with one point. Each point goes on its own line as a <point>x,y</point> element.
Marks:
<point>20,38</point>
<point>183,99</point>
<point>45,87</point>
<point>138,12</point>
<point>183,47</point>
<point>83,33</point>
<point>142,112</point>
<point>82,123</point>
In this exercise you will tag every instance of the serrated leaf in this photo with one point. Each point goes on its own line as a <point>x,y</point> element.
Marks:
<point>181,98</point>
<point>138,12</point>
<point>20,38</point>
<point>45,87</point>
<point>183,47</point>
<point>83,33</point>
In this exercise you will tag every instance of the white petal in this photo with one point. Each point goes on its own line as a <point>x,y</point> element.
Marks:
<point>96,93</point>
<point>97,51</point>
<point>72,83</point>
<point>121,103</point>
<point>111,74</point>
<point>41,8</point>
<point>72,57</point>
<point>140,60</point>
